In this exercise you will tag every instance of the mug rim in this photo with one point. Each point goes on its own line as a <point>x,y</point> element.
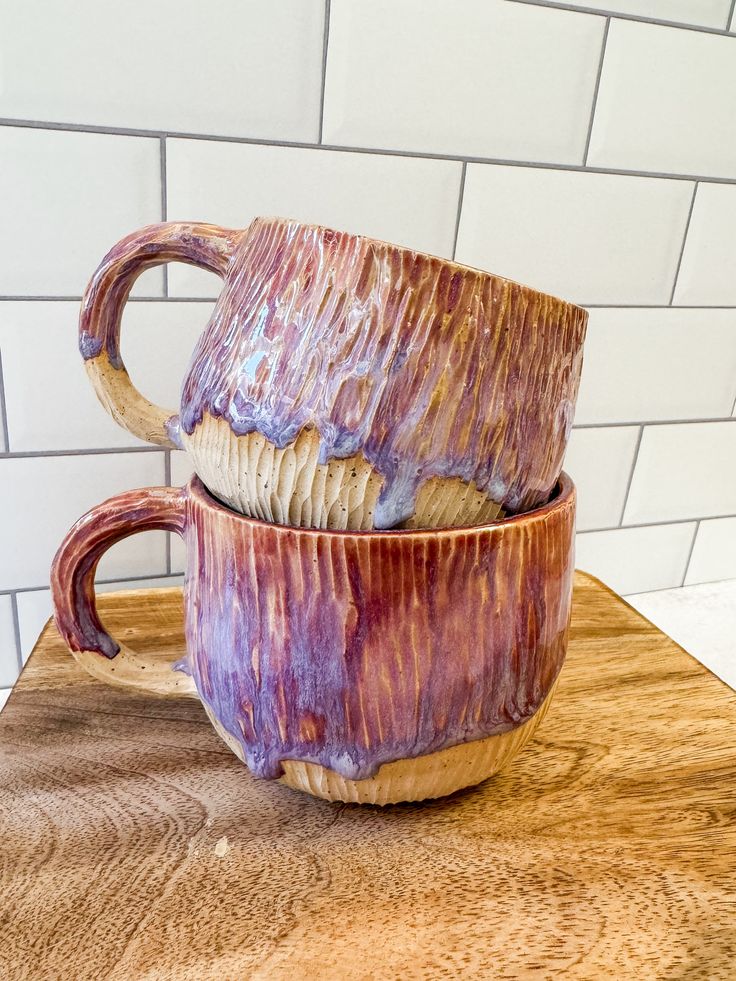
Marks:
<point>405,249</point>
<point>562,494</point>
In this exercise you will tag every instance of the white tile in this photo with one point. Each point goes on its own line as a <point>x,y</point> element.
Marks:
<point>708,262</point>
<point>8,652</point>
<point>478,78</point>
<point>684,471</point>
<point>590,238</point>
<point>66,199</point>
<point>157,341</point>
<point>665,101</point>
<point>405,200</point>
<point>240,67</point>
<point>35,609</point>
<point>733,20</point>
<point>714,554</point>
<point>41,497</point>
<point>645,365</point>
<point>4,696</point>
<point>632,560</point>
<point>705,13</point>
<point>702,619</point>
<point>181,468</point>
<point>599,461</point>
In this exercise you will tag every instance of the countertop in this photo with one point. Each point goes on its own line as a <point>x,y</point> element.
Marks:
<point>135,845</point>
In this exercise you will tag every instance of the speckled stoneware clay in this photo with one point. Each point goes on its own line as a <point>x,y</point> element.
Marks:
<point>361,666</point>
<point>343,382</point>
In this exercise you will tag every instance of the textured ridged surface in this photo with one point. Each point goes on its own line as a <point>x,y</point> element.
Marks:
<point>347,650</point>
<point>421,778</point>
<point>290,486</point>
<point>425,368</point>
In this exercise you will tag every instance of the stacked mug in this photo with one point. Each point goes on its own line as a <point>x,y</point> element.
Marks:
<point>379,536</point>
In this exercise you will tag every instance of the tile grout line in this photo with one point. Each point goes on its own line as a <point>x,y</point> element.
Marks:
<point>375,151</point>
<point>620,15</point>
<point>212,299</point>
<point>131,299</point>
<point>730,16</point>
<point>684,242</point>
<point>690,553</point>
<point>167,481</point>
<point>596,90</point>
<point>631,475</point>
<point>99,582</point>
<point>638,525</point>
<point>323,85</point>
<point>461,195</point>
<point>653,422</point>
<point>4,409</point>
<point>92,451</point>
<point>113,450</point>
<point>16,631</point>
<point>164,206</point>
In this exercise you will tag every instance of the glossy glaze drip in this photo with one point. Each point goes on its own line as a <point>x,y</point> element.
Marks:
<point>352,650</point>
<point>428,368</point>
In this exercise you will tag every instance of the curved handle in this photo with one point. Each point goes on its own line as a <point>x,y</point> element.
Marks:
<point>73,587</point>
<point>207,246</point>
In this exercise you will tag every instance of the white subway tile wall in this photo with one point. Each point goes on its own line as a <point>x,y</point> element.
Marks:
<point>660,364</point>
<point>599,461</point>
<point>705,13</point>
<point>66,198</point>
<point>483,79</point>
<point>588,154</point>
<point>684,472</point>
<point>665,102</point>
<point>713,552</point>
<point>406,200</point>
<point>592,238</point>
<point>157,342</point>
<point>637,559</point>
<point>242,68</point>
<point>707,274</point>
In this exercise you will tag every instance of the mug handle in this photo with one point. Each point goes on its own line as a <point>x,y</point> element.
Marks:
<point>73,588</point>
<point>198,244</point>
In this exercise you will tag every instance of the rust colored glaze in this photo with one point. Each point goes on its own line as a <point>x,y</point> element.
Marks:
<point>348,650</point>
<point>425,367</point>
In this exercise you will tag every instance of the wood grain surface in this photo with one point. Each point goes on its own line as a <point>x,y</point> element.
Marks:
<point>134,845</point>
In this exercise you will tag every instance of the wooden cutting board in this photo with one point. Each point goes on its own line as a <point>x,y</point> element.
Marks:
<point>134,845</point>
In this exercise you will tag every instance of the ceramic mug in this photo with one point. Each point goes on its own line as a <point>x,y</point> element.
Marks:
<point>343,382</point>
<point>358,666</point>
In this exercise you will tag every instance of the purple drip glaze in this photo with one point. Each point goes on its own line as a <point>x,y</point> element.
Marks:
<point>347,649</point>
<point>427,368</point>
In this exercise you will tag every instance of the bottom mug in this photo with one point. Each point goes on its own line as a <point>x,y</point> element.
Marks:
<point>374,667</point>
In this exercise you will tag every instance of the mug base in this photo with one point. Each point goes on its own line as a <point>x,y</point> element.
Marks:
<point>290,486</point>
<point>419,778</point>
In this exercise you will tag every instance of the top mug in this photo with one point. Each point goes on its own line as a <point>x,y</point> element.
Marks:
<point>343,382</point>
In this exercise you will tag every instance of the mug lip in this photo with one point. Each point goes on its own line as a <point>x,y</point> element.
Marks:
<point>562,495</point>
<point>407,250</point>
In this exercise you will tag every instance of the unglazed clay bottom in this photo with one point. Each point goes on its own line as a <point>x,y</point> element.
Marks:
<point>424,777</point>
<point>289,486</point>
